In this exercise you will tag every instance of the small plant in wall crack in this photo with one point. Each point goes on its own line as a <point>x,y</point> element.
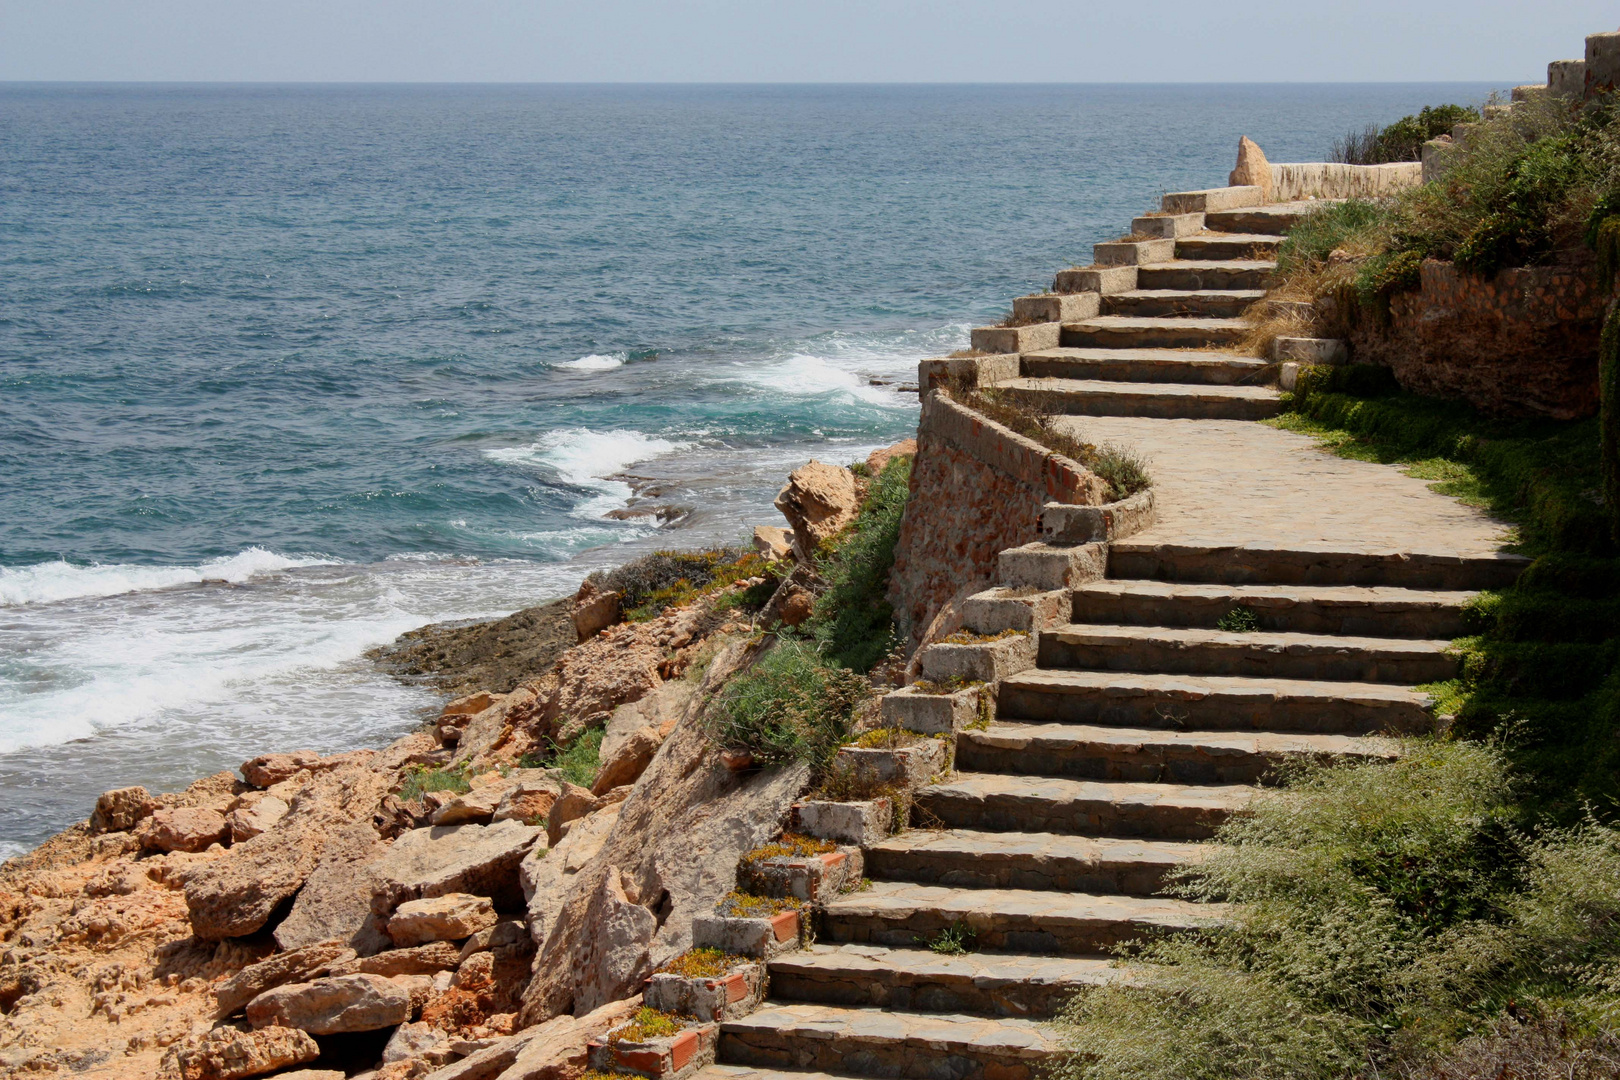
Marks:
<point>956,940</point>
<point>1240,620</point>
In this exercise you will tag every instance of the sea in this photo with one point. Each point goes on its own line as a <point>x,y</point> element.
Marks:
<point>286,371</point>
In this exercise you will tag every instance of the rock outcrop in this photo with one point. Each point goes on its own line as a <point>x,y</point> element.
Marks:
<point>1252,169</point>
<point>333,1006</point>
<point>819,501</point>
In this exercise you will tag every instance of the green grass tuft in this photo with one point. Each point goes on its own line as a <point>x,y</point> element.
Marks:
<point>791,706</point>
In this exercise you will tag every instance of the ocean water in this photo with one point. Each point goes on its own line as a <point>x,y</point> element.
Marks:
<point>288,370</point>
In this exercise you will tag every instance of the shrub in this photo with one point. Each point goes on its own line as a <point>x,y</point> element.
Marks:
<point>1609,411</point>
<point>648,585</point>
<point>853,620</point>
<point>789,707</point>
<point>1403,140</point>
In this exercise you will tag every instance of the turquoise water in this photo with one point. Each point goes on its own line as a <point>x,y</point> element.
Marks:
<point>286,371</point>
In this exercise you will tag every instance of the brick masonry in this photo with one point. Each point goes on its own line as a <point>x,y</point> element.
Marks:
<point>1521,343</point>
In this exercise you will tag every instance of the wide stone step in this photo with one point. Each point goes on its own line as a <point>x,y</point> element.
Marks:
<point>968,858</point>
<point>919,980</point>
<point>1215,246</point>
<point>1195,651</point>
<point>1206,274</point>
<point>1207,368</point>
<point>1172,303</point>
<point>903,914</point>
<point>1273,219</point>
<point>1147,755</point>
<point>1003,803</point>
<point>1362,610</point>
<point>875,1042</point>
<point>1163,400</point>
<point>1311,565</point>
<point>1130,332</point>
<point>1214,702</point>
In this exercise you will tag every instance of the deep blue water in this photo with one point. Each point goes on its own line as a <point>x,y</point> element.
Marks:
<point>286,370</point>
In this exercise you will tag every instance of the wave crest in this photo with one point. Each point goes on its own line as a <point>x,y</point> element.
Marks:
<point>51,582</point>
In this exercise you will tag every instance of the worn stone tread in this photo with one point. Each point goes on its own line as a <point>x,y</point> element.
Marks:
<point>850,1028</point>
<point>1015,803</point>
<point>1273,218</point>
<point>1145,390</point>
<point>968,858</point>
<point>1181,303</point>
<point>1366,610</point>
<point>1291,655</point>
<point>1040,738</point>
<point>1306,563</point>
<point>1235,327</point>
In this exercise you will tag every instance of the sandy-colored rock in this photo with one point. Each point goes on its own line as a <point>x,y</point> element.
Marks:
<point>796,607</point>
<point>528,801</point>
<point>184,829</point>
<point>879,459</point>
<point>547,874</point>
<point>300,965</point>
<point>417,1041</point>
<point>1253,170</point>
<point>558,1050</point>
<point>332,1006</point>
<point>659,709</point>
<point>630,758</point>
<point>504,933</point>
<point>476,806</point>
<point>490,1061</point>
<point>267,770</point>
<point>335,901</point>
<point>478,859</point>
<point>228,1054</point>
<point>121,809</point>
<point>773,542</point>
<point>311,1074</point>
<point>429,959</point>
<point>819,500</point>
<point>468,704</point>
<point>246,822</point>
<point>450,917</point>
<point>485,730</point>
<point>594,610</point>
<point>613,957</point>
<point>575,802</point>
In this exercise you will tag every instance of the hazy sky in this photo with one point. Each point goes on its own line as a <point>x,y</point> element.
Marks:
<point>819,41</point>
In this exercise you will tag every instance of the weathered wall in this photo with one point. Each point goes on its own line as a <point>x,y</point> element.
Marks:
<point>1521,343</point>
<point>1332,180</point>
<point>976,488</point>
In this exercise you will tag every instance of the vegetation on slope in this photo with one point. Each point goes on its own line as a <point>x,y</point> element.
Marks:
<point>853,621</point>
<point>1403,140</point>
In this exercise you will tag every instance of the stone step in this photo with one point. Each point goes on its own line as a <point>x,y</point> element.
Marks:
<point>1262,654</point>
<point>1129,332</point>
<point>1217,246</point>
<point>1362,610</point>
<point>900,913</point>
<point>1171,303</point>
<point>1147,755</point>
<point>1206,274</point>
<point>1273,219</point>
<point>1206,368</point>
<point>1309,565</point>
<point>875,1042</point>
<point>971,859</point>
<point>1164,400</point>
<point>1212,702</point>
<point>1003,803</point>
<point>919,980</point>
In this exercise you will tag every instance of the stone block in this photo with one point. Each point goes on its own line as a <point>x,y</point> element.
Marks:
<point>1058,307</point>
<point>803,877</point>
<point>478,859</point>
<point>912,766</point>
<point>1529,92</point>
<point>1567,78</point>
<point>670,1057</point>
<point>1016,339</point>
<point>1024,610</point>
<point>332,1006</point>
<point>1133,252</point>
<point>988,661</point>
<point>736,993</point>
<point>1288,376</point>
<point>1047,567</point>
<point>1098,279</point>
<point>976,371</point>
<point>761,938</point>
<point>862,823</point>
<point>451,917</point>
<point>1305,350</point>
<point>1168,226</point>
<point>1602,63</point>
<point>1065,524</point>
<point>1211,200</point>
<point>931,714</point>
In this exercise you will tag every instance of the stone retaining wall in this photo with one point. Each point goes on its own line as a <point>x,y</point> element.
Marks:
<point>1522,343</point>
<point>976,489</point>
<point>1332,180</point>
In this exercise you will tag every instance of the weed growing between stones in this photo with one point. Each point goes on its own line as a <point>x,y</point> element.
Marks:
<point>958,939</point>
<point>423,779</point>
<point>741,905</point>
<point>700,963</point>
<point>853,620</point>
<point>968,637</point>
<point>887,738</point>
<point>579,761</point>
<point>790,846</point>
<point>649,1023</point>
<point>1240,620</point>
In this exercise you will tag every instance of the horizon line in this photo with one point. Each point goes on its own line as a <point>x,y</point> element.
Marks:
<point>733,82</point>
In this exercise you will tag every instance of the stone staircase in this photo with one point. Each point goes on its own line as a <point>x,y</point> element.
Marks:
<point>1165,339</point>
<point>1139,729</point>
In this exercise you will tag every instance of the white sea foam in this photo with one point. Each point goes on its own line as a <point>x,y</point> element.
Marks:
<point>48,582</point>
<point>840,364</point>
<point>585,459</point>
<point>597,362</point>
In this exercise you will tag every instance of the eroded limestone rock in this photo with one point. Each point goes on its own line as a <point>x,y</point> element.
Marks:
<point>121,809</point>
<point>228,1054</point>
<point>185,829</point>
<point>300,965</point>
<point>450,917</point>
<point>478,859</point>
<point>819,500</point>
<point>332,1006</point>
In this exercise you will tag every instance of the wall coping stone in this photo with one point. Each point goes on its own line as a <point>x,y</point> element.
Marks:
<point>1063,479</point>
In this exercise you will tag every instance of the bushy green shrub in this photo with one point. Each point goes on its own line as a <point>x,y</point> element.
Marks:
<point>1403,140</point>
<point>791,706</point>
<point>648,585</point>
<point>1327,229</point>
<point>853,620</point>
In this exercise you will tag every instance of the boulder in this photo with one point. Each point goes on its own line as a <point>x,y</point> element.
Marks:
<point>630,758</point>
<point>332,1006</point>
<point>476,806</point>
<point>659,709</point>
<point>187,828</point>
<point>300,965</point>
<point>417,1041</point>
<point>121,809</point>
<point>819,501</point>
<point>612,959</point>
<point>796,607</point>
<point>879,459</point>
<point>311,1074</point>
<point>429,959</point>
<point>450,917</point>
<point>335,901</point>
<point>548,874</point>
<point>261,815</point>
<point>528,801</point>
<point>468,705</point>
<point>490,1061</point>
<point>485,730</point>
<point>228,1054</point>
<point>502,934</point>
<point>478,859</point>
<point>1253,170</point>
<point>236,893</point>
<point>560,1048</point>
<point>267,770</point>
<point>575,802</point>
<point>594,610</point>
<point>772,542</point>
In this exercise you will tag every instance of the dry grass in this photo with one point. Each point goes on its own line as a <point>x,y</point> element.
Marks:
<point>966,354</point>
<point>1013,319</point>
<point>1265,327</point>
